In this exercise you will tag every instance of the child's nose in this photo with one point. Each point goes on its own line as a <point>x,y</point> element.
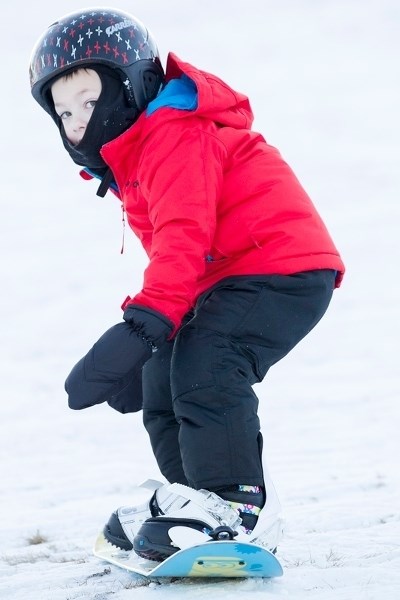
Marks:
<point>79,123</point>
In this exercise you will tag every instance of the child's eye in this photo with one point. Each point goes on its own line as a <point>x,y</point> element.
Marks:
<point>65,115</point>
<point>91,103</point>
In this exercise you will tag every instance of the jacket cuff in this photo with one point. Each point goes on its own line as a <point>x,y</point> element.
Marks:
<point>153,326</point>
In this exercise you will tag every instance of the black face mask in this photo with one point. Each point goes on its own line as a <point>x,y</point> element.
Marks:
<point>111,116</point>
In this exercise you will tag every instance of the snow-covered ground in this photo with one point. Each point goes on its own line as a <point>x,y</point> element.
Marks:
<point>323,77</point>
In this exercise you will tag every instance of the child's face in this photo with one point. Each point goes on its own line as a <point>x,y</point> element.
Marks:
<point>74,98</point>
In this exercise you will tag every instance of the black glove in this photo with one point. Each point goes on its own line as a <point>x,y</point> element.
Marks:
<point>112,370</point>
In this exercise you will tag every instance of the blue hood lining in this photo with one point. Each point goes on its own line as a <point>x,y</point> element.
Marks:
<point>178,93</point>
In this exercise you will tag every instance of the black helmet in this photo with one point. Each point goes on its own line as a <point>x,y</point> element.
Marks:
<point>123,53</point>
<point>98,36</point>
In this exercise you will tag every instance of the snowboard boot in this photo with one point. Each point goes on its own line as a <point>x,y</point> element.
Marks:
<point>125,522</point>
<point>252,514</point>
<point>202,513</point>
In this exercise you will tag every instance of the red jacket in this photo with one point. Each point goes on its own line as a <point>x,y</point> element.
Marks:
<point>208,197</point>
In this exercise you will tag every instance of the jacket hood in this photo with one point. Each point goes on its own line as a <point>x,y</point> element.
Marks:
<point>216,100</point>
<point>189,90</point>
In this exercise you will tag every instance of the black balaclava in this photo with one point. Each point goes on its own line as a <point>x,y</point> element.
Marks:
<point>111,116</point>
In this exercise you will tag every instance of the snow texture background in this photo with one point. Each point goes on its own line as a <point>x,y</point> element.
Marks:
<point>323,79</point>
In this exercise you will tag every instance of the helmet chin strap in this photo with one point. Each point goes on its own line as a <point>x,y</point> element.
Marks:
<point>105,183</point>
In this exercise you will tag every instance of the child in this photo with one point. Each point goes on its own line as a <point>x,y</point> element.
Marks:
<point>241,268</point>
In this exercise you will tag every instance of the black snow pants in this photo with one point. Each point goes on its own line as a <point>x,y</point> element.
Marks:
<point>199,406</point>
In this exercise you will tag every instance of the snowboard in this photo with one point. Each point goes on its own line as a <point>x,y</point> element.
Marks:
<point>221,558</point>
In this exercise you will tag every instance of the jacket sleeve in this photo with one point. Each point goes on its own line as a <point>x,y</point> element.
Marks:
<point>181,177</point>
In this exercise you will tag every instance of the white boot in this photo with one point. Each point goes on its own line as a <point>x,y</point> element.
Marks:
<point>201,513</point>
<point>197,519</point>
<point>267,531</point>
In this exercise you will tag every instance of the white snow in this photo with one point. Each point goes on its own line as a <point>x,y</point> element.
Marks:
<point>323,78</point>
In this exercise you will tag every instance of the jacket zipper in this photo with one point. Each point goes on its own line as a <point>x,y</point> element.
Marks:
<point>123,227</point>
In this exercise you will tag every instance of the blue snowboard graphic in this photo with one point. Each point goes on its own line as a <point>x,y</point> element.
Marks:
<point>209,559</point>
